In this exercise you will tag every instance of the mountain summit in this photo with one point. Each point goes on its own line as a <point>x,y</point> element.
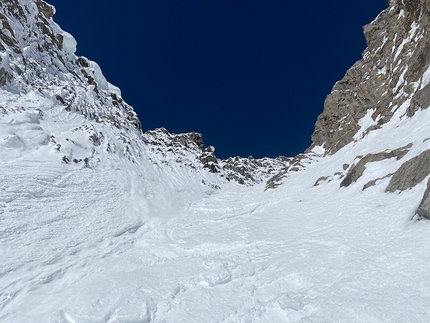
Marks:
<point>100,222</point>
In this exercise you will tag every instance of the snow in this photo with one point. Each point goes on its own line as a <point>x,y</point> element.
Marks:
<point>318,150</point>
<point>138,242</point>
<point>425,78</point>
<point>101,80</point>
<point>383,70</point>
<point>412,37</point>
<point>99,225</point>
<point>69,43</point>
<point>364,123</point>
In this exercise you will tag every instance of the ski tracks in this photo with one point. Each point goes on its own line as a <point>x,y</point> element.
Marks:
<point>47,235</point>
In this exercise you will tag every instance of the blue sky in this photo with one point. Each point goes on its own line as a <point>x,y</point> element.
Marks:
<point>251,76</point>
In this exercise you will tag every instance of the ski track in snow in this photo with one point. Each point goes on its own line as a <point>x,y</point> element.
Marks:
<point>124,242</point>
<point>235,255</point>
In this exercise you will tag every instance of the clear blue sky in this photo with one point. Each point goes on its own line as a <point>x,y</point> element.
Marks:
<point>250,75</point>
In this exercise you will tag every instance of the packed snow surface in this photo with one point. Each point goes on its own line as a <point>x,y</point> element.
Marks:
<point>122,241</point>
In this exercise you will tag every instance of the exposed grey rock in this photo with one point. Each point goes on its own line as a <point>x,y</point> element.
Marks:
<point>46,63</point>
<point>357,170</point>
<point>320,180</point>
<point>294,165</point>
<point>412,172</point>
<point>373,182</point>
<point>36,55</point>
<point>424,209</point>
<point>245,170</point>
<point>44,8</point>
<point>339,174</point>
<point>5,77</point>
<point>421,100</point>
<point>397,55</point>
<point>275,181</point>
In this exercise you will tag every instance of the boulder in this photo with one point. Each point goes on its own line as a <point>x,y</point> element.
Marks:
<point>412,172</point>
<point>424,209</point>
<point>357,170</point>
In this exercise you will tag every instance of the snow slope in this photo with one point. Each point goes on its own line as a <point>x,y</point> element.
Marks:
<point>131,244</point>
<point>124,241</point>
<point>100,223</point>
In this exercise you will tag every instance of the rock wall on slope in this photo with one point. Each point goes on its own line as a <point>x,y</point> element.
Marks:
<point>37,54</point>
<point>393,70</point>
<point>392,81</point>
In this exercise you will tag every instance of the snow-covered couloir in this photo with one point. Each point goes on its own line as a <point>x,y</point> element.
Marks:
<point>100,222</point>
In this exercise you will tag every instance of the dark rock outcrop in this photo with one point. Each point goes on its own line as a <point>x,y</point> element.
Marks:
<point>374,181</point>
<point>294,165</point>
<point>357,170</point>
<point>412,172</point>
<point>424,208</point>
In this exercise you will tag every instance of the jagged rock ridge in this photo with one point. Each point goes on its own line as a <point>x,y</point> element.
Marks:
<point>188,148</point>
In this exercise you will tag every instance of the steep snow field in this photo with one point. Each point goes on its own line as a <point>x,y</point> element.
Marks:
<point>117,241</point>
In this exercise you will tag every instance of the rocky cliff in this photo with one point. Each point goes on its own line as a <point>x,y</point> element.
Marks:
<point>384,95</point>
<point>392,77</point>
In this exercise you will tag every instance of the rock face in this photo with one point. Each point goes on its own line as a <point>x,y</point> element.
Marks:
<point>357,170</point>
<point>374,119</point>
<point>423,210</point>
<point>391,82</point>
<point>393,71</point>
<point>411,173</point>
<point>295,164</point>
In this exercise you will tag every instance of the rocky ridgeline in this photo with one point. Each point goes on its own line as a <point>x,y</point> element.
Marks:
<point>189,150</point>
<point>389,74</point>
<point>37,56</point>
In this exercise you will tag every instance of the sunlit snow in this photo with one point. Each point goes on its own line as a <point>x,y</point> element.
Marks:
<point>125,242</point>
<point>97,227</point>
